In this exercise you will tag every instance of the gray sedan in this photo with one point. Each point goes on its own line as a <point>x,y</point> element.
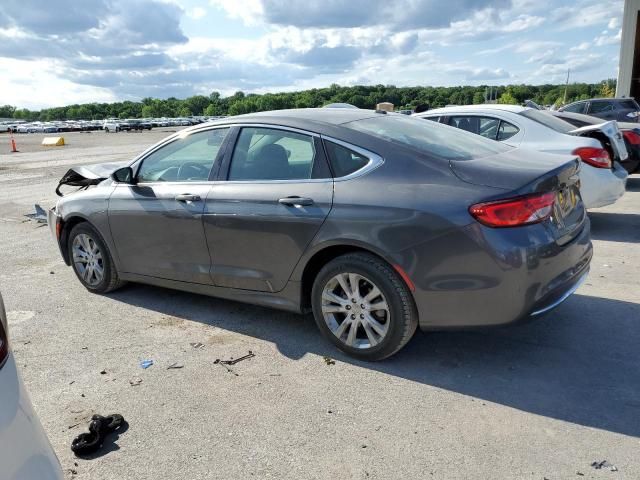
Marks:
<point>375,222</point>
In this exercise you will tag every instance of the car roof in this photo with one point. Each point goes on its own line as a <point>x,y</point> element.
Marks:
<point>300,117</point>
<point>477,108</point>
<point>602,99</point>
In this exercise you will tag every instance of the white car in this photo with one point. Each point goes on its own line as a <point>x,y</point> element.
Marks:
<point>111,125</point>
<point>602,180</point>
<point>25,451</point>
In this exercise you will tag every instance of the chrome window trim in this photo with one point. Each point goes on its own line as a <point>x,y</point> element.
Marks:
<point>375,160</point>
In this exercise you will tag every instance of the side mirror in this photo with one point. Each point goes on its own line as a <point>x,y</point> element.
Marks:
<point>124,175</point>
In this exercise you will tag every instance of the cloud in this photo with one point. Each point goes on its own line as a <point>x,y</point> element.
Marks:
<point>196,13</point>
<point>396,16</point>
<point>52,18</point>
<point>605,39</point>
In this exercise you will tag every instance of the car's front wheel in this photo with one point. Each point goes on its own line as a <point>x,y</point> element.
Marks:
<point>363,306</point>
<point>91,260</point>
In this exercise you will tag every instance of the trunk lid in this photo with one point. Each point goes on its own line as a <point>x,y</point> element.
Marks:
<point>522,172</point>
<point>613,137</point>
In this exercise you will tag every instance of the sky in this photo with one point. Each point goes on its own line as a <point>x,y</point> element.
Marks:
<point>59,52</point>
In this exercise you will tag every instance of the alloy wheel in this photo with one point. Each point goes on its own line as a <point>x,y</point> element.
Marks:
<point>87,259</point>
<point>355,310</point>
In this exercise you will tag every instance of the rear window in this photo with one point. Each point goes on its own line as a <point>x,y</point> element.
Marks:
<point>428,137</point>
<point>548,120</point>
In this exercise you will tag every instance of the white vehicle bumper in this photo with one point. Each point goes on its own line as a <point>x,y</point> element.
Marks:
<point>25,451</point>
<point>602,186</point>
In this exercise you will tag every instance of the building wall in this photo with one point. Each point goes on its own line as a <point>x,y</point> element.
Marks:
<point>628,49</point>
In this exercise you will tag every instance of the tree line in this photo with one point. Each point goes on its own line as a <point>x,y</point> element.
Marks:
<point>361,96</point>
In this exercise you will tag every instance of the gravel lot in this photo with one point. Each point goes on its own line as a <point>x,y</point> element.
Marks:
<point>541,400</point>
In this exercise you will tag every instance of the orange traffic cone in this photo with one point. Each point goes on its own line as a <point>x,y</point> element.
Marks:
<point>13,145</point>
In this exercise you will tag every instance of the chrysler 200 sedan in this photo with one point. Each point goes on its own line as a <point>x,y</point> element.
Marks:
<point>375,222</point>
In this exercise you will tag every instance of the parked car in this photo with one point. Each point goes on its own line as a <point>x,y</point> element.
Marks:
<point>602,180</point>
<point>375,222</point>
<point>111,125</point>
<point>620,109</point>
<point>25,452</point>
<point>630,132</point>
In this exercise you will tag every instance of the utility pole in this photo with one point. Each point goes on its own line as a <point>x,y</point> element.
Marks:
<point>566,85</point>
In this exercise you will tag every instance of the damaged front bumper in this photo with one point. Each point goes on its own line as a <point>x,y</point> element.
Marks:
<point>54,220</point>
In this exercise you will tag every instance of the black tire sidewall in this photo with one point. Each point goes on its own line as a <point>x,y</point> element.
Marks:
<point>107,264</point>
<point>355,264</point>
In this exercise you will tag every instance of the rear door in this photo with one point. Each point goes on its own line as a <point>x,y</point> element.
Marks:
<point>157,223</point>
<point>274,193</point>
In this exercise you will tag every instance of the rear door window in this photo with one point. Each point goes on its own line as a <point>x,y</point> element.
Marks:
<point>484,126</point>
<point>600,107</point>
<point>272,154</point>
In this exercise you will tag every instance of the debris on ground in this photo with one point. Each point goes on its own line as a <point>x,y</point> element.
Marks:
<point>229,369</point>
<point>604,464</point>
<point>174,366</point>
<point>134,382</point>
<point>146,363</point>
<point>99,428</point>
<point>232,361</point>
<point>329,360</point>
<point>103,372</point>
<point>40,216</point>
<point>197,345</point>
<point>237,360</point>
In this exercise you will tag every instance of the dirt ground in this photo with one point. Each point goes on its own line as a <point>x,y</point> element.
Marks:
<point>540,400</point>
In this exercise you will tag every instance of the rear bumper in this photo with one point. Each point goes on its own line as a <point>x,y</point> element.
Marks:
<point>496,276</point>
<point>601,186</point>
<point>25,452</point>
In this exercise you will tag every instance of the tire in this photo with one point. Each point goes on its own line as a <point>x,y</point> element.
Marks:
<point>394,325</point>
<point>84,238</point>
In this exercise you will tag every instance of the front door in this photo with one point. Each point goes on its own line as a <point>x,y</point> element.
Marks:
<point>157,224</point>
<point>259,221</point>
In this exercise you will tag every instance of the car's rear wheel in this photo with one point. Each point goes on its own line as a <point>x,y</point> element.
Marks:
<point>91,260</point>
<point>363,306</point>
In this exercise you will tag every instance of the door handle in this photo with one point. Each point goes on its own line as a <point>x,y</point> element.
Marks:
<point>187,197</point>
<point>296,201</point>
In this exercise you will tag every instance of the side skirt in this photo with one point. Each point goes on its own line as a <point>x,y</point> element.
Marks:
<point>288,299</point>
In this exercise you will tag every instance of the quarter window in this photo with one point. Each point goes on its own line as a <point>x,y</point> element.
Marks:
<point>187,159</point>
<point>271,154</point>
<point>343,160</point>
<point>506,131</point>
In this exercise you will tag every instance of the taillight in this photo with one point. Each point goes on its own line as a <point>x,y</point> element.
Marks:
<point>4,345</point>
<point>514,212</point>
<point>596,157</point>
<point>632,137</point>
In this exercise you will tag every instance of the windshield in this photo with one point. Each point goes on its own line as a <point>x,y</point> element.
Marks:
<point>554,123</point>
<point>428,137</point>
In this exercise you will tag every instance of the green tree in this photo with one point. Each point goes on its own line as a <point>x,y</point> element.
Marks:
<point>508,99</point>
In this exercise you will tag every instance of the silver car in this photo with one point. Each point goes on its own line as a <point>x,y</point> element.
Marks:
<point>25,451</point>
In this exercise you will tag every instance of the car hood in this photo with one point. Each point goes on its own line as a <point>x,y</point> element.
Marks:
<point>87,175</point>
